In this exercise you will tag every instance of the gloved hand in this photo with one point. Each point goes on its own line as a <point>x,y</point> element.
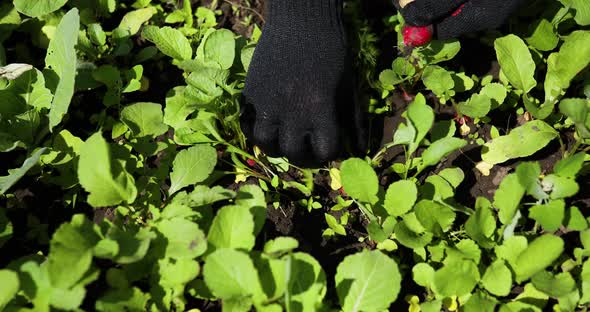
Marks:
<point>452,18</point>
<point>299,97</point>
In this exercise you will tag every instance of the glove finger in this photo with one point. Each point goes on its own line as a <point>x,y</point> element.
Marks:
<point>425,12</point>
<point>476,16</point>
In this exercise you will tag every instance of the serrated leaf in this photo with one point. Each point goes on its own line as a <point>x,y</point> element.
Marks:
<point>516,62</point>
<point>367,281</point>
<point>103,177</point>
<point>170,41</point>
<point>539,254</point>
<point>192,166</point>
<point>61,61</point>
<point>359,180</point>
<point>38,8</point>
<point>6,182</point>
<point>232,227</point>
<point>400,197</point>
<point>497,279</point>
<point>522,141</point>
<point>144,119</point>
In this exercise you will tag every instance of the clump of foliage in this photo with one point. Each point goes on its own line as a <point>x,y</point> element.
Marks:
<point>127,184</point>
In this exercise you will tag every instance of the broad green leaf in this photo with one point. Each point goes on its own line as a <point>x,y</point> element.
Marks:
<point>456,278</point>
<point>554,285</point>
<point>550,215</point>
<point>144,119</point>
<point>307,284</point>
<point>481,225</point>
<point>569,166</point>
<point>103,177</point>
<point>232,227</point>
<point>176,273</point>
<point>61,61</point>
<point>544,36</point>
<point>128,299</point>
<point>70,253</point>
<point>9,287</point>
<point>522,141</point>
<point>367,281</point>
<point>184,238</point>
<point>230,274</point>
<point>6,182</point>
<point>252,198</point>
<point>560,187</point>
<point>585,284</point>
<point>496,92</point>
<point>31,87</point>
<point>511,249</point>
<point>400,197</point>
<point>359,180</point>
<point>192,166</point>
<point>203,195</point>
<point>479,302</point>
<point>577,110</point>
<point>10,19</point>
<point>572,58</point>
<point>477,106</point>
<point>437,79</point>
<point>497,279</point>
<point>67,299</point>
<point>435,217</point>
<point>516,62</point>
<point>423,274</point>
<point>38,8</point>
<point>170,41</point>
<point>440,149</point>
<point>133,20</point>
<point>575,220</point>
<point>539,254</point>
<point>219,48</point>
<point>409,238</point>
<point>280,244</point>
<point>422,118</point>
<point>581,10</point>
<point>178,108</point>
<point>507,198</point>
<point>131,244</point>
<point>439,51</point>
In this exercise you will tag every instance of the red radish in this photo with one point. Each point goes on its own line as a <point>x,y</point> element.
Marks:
<point>251,162</point>
<point>415,36</point>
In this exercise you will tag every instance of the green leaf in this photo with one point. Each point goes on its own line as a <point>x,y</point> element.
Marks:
<point>507,198</point>
<point>544,36</point>
<point>31,87</point>
<point>400,197</point>
<point>477,106</point>
<point>6,182</point>
<point>585,285</point>
<point>70,253</point>
<point>496,92</point>
<point>178,108</point>
<point>232,227</point>
<point>133,20</point>
<point>39,7</point>
<point>103,177</point>
<point>481,225</point>
<point>423,274</point>
<point>569,166</point>
<point>409,238</point>
<point>581,10</point>
<point>184,238</point>
<point>440,149</point>
<point>497,279</point>
<point>560,187</point>
<point>511,249</point>
<point>575,220</point>
<point>479,302</point>
<point>456,278</point>
<point>307,284</point>
<point>549,215</point>
<point>435,217</point>
<point>539,254</point>
<point>6,228</point>
<point>252,198</point>
<point>170,41</point>
<point>219,48</point>
<point>554,285</point>
<point>61,61</point>
<point>144,119</point>
<point>572,58</point>
<point>230,274</point>
<point>577,111</point>
<point>128,299</point>
<point>367,281</point>
<point>516,62</point>
<point>439,51</point>
<point>522,141</point>
<point>9,287</point>
<point>280,245</point>
<point>437,79</point>
<point>334,224</point>
<point>192,166</point>
<point>359,180</point>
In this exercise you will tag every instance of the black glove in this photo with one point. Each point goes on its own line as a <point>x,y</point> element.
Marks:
<point>299,92</point>
<point>452,18</point>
